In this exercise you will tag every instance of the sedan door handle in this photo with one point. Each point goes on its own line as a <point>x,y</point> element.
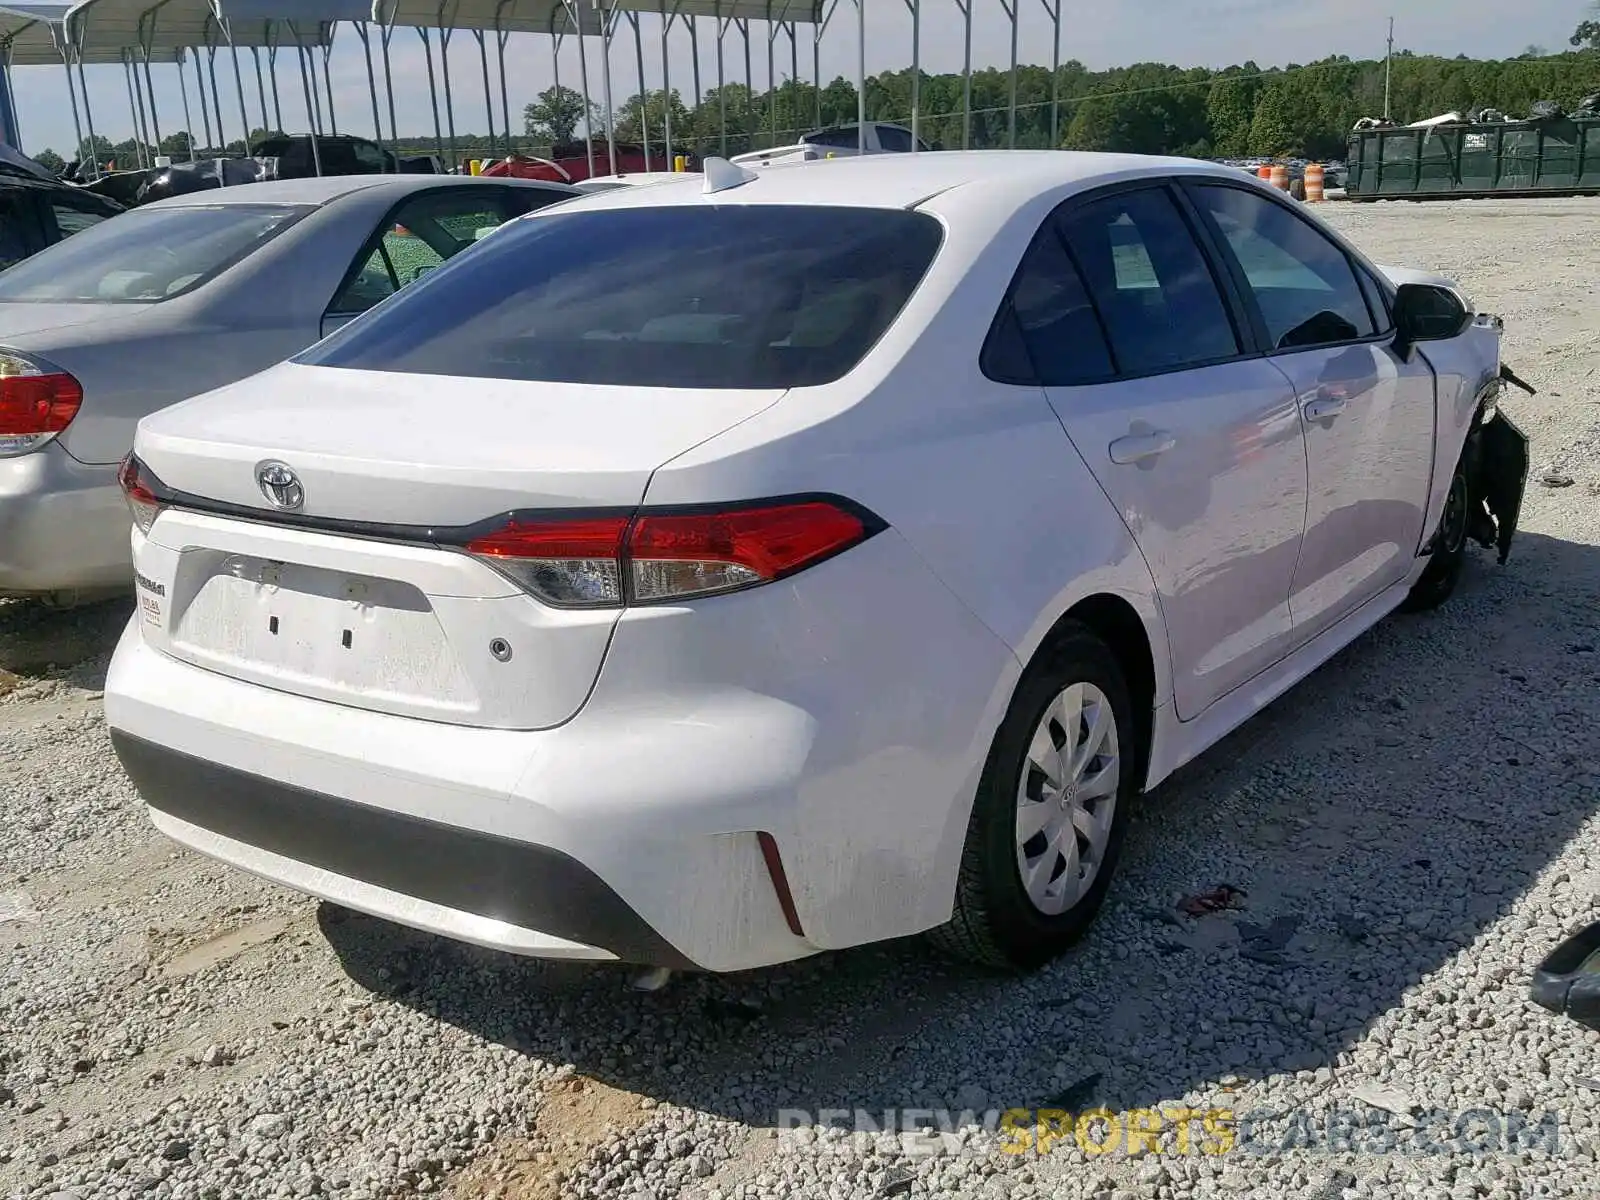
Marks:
<point>1140,447</point>
<point>1325,408</point>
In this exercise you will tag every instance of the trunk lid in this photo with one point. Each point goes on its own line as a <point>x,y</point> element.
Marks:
<point>400,626</point>
<point>20,317</point>
<point>375,446</point>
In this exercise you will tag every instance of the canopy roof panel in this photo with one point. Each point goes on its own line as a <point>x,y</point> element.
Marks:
<point>31,36</point>
<point>536,16</point>
<point>508,16</point>
<point>96,24</point>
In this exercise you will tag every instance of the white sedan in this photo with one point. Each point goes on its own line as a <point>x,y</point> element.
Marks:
<point>714,573</point>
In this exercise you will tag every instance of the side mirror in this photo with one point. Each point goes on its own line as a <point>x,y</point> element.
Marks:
<point>1424,313</point>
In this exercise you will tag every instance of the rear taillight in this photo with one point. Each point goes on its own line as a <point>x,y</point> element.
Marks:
<point>142,490</point>
<point>36,403</point>
<point>661,556</point>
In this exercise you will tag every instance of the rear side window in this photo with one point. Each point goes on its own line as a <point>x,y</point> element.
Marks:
<point>1161,305</point>
<point>1054,321</point>
<point>685,296</point>
<point>146,255</point>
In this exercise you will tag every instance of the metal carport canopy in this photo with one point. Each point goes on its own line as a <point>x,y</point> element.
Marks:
<point>93,24</point>
<point>535,16</point>
<point>31,36</point>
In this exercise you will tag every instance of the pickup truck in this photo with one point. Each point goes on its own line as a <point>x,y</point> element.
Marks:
<point>839,141</point>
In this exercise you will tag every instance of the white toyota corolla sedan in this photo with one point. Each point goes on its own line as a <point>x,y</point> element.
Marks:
<point>710,574</point>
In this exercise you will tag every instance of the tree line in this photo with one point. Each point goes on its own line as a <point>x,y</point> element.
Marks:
<point>1300,109</point>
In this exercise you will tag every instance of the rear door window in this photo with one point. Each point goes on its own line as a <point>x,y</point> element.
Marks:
<point>1154,289</point>
<point>1054,323</point>
<point>418,237</point>
<point>671,296</point>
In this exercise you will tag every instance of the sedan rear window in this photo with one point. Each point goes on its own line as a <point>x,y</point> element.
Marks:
<point>689,296</point>
<point>146,255</point>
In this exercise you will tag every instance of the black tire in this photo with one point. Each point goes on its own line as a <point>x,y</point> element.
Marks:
<point>1443,572</point>
<point>994,923</point>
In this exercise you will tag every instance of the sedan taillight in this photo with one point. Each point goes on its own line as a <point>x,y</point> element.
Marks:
<point>142,490</point>
<point>667,555</point>
<point>36,403</point>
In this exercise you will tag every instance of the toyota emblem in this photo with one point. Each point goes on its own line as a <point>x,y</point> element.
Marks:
<point>279,485</point>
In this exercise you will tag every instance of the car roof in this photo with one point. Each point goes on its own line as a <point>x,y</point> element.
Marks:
<point>324,189</point>
<point>908,180</point>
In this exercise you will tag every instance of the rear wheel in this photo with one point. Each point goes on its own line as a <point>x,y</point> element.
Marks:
<point>1050,813</point>
<point>1443,572</point>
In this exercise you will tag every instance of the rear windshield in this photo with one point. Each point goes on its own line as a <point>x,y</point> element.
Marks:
<point>690,296</point>
<point>145,255</point>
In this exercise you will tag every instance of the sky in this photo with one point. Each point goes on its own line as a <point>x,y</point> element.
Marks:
<point>1210,33</point>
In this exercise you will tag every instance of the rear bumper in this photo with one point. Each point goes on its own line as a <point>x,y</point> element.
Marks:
<point>511,839</point>
<point>514,895</point>
<point>63,525</point>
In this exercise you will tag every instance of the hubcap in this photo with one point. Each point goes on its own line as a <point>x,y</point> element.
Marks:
<point>1067,798</point>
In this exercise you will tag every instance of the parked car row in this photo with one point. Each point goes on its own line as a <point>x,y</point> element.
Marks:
<point>712,573</point>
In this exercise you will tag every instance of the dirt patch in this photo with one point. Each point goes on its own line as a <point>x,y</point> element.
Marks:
<point>223,946</point>
<point>576,1115</point>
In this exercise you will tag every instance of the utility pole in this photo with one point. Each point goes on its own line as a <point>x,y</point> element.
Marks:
<point>1388,66</point>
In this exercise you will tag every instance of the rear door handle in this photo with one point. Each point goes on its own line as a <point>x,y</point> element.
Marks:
<point>1325,408</point>
<point>1141,447</point>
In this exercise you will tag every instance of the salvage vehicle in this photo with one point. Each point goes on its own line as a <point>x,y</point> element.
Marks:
<point>709,574</point>
<point>36,213</point>
<point>175,298</point>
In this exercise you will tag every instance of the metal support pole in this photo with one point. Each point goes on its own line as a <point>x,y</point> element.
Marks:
<point>694,58</point>
<point>72,95</point>
<point>1010,7</point>
<point>200,83</point>
<point>722,82</point>
<point>488,88</point>
<point>387,32</point>
<point>261,89</point>
<point>916,72</point>
<point>272,73</point>
<point>327,79</point>
<point>500,38</point>
<point>433,90</point>
<point>1054,9</point>
<point>772,81</point>
<point>311,109</point>
<point>861,76</point>
<point>147,33</point>
<point>644,107</point>
<point>216,97</point>
<point>583,82</point>
<point>134,113</point>
<point>238,79</point>
<point>188,122</point>
<point>608,29</point>
<point>88,118</point>
<point>449,100</point>
<point>365,35</point>
<point>966,73</point>
<point>667,20</point>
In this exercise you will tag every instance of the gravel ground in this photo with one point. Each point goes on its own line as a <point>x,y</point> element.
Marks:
<point>1413,829</point>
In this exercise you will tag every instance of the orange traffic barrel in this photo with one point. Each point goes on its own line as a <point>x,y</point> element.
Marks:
<point>1264,171</point>
<point>1313,183</point>
<point>1280,177</point>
